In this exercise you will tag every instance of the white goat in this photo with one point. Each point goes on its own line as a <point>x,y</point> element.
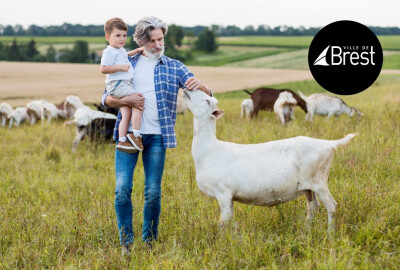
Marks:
<point>19,115</point>
<point>50,111</point>
<point>181,106</point>
<point>71,104</point>
<point>264,174</point>
<point>5,111</point>
<point>35,110</point>
<point>246,107</point>
<point>327,105</point>
<point>82,118</point>
<point>284,107</point>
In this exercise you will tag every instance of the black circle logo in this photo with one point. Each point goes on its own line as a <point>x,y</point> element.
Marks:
<point>345,57</point>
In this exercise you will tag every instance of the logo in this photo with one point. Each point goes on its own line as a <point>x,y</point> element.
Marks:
<point>345,57</point>
<point>321,60</point>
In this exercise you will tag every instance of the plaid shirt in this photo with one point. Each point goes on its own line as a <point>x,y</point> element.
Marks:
<point>169,76</point>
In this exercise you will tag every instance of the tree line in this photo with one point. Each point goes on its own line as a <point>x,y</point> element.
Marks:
<point>80,53</point>
<point>67,29</point>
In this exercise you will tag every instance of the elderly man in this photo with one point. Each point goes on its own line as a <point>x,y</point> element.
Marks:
<point>157,79</point>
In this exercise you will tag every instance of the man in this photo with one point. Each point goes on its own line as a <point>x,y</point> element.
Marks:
<point>157,79</point>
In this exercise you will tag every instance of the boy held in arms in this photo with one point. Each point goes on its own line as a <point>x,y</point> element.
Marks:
<point>119,74</point>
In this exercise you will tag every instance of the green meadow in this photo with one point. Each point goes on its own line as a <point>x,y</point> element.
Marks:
<point>57,207</point>
<point>242,51</point>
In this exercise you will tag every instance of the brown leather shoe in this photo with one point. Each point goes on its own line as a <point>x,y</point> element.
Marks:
<point>126,147</point>
<point>136,141</point>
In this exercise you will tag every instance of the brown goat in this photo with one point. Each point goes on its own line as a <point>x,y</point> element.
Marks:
<point>264,99</point>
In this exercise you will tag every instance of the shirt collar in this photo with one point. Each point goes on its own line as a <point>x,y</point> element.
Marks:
<point>163,58</point>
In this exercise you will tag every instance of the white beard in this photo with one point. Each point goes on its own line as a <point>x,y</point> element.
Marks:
<point>154,56</point>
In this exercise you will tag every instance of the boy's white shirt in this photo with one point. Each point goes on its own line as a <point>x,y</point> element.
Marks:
<point>143,82</point>
<point>112,56</point>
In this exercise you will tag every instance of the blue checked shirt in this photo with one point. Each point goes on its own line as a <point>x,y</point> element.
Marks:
<point>169,76</point>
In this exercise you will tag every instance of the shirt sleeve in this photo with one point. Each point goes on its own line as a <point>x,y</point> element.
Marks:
<point>185,74</point>
<point>108,58</point>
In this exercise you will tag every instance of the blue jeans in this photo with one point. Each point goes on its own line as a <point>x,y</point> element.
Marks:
<point>153,157</point>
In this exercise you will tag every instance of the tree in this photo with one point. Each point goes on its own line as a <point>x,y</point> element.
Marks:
<point>190,38</point>
<point>63,56</point>
<point>51,54</point>
<point>31,51</point>
<point>13,53</point>
<point>19,30</point>
<point>206,41</point>
<point>176,34</point>
<point>2,48</point>
<point>80,52</point>
<point>8,31</point>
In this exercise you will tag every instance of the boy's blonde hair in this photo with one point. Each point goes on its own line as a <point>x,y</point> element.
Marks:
<point>114,22</point>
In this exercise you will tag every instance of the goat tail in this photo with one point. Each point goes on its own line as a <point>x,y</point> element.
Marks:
<point>344,140</point>
<point>302,96</point>
<point>247,91</point>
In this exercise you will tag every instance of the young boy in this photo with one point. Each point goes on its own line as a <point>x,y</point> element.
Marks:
<point>119,74</point>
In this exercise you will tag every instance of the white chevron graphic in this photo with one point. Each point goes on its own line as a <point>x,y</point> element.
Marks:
<point>321,59</point>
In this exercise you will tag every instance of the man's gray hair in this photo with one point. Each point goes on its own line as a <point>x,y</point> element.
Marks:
<point>145,26</point>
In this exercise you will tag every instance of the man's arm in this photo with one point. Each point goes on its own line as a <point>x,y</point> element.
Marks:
<point>135,101</point>
<point>194,83</point>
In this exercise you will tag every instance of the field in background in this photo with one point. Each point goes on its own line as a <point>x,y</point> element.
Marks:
<point>387,42</point>
<point>243,51</point>
<point>56,207</point>
<point>21,82</point>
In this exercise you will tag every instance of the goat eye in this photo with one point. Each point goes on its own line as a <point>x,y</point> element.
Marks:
<point>208,102</point>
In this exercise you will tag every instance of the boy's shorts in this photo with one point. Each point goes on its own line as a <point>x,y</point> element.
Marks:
<point>120,89</point>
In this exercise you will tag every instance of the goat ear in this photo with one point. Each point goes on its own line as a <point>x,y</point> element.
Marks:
<point>218,113</point>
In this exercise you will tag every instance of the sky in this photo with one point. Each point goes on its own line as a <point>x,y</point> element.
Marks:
<point>307,13</point>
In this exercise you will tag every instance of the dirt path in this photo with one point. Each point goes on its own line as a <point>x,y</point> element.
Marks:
<point>23,82</point>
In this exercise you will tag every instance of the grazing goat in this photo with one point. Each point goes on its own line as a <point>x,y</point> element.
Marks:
<point>284,107</point>
<point>247,107</point>
<point>19,115</point>
<point>89,121</point>
<point>50,111</point>
<point>327,105</point>
<point>264,99</point>
<point>71,104</point>
<point>35,110</point>
<point>263,174</point>
<point>5,111</point>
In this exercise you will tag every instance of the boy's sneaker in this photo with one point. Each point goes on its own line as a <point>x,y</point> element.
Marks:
<point>136,141</point>
<point>126,147</point>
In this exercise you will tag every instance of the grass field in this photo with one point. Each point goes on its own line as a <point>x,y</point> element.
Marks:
<point>298,59</point>
<point>231,54</point>
<point>387,42</point>
<point>56,207</point>
<point>250,51</point>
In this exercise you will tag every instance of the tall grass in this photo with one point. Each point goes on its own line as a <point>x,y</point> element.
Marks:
<point>56,207</point>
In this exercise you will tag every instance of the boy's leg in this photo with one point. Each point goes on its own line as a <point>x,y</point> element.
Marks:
<point>136,138</point>
<point>136,119</point>
<point>123,144</point>
<point>124,124</point>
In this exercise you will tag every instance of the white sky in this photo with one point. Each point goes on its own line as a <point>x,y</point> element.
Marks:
<point>203,12</point>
